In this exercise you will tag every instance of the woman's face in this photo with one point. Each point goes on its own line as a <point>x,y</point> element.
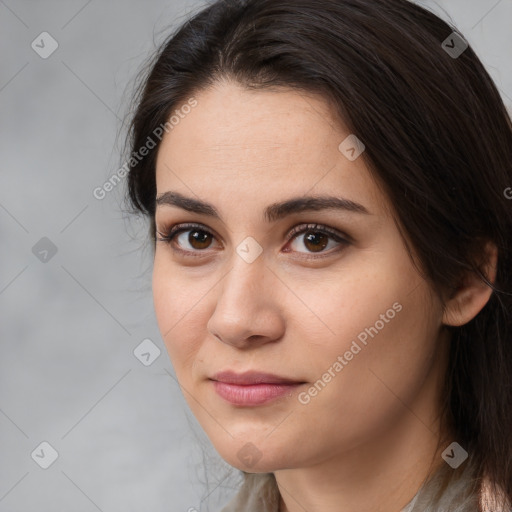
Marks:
<point>338,310</point>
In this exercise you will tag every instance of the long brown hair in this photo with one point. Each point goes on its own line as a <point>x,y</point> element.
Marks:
<point>437,136</point>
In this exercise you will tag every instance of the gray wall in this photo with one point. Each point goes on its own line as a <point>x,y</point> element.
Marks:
<point>70,321</point>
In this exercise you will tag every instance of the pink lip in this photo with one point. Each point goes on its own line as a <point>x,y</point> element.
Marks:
<point>252,388</point>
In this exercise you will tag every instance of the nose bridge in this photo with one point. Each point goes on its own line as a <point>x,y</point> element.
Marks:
<point>244,284</point>
<point>244,308</point>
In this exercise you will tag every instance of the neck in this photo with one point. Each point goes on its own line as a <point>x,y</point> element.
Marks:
<point>367,479</point>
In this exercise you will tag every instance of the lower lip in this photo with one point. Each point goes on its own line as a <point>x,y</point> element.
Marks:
<point>253,394</point>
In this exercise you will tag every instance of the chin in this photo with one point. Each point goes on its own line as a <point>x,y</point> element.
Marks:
<point>254,456</point>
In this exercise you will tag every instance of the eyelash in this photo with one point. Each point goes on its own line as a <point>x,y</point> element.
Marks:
<point>171,232</point>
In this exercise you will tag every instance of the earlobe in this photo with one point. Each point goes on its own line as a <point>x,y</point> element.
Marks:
<point>473,293</point>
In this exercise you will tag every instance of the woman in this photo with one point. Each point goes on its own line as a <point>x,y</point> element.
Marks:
<point>325,182</point>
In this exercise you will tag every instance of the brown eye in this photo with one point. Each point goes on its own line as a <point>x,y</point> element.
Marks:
<point>315,238</point>
<point>199,239</point>
<point>315,241</point>
<point>186,238</point>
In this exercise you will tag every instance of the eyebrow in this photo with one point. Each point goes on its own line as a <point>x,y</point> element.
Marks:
<point>273,212</point>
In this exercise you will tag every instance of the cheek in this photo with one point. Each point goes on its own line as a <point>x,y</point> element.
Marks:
<point>384,325</point>
<point>177,306</point>
<point>385,359</point>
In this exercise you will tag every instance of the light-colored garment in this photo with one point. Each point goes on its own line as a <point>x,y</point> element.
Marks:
<point>259,493</point>
<point>447,491</point>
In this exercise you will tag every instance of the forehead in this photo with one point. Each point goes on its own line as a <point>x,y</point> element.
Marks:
<point>265,143</point>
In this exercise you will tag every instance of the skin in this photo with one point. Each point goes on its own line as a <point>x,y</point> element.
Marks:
<point>369,438</point>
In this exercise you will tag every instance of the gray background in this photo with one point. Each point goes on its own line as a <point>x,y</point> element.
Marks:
<point>69,325</point>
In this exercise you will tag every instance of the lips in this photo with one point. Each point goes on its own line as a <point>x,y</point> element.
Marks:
<point>252,388</point>
<point>251,377</point>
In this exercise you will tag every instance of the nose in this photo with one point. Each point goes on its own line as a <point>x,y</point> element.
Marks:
<point>248,311</point>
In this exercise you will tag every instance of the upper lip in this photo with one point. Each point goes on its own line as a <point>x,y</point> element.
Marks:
<point>251,377</point>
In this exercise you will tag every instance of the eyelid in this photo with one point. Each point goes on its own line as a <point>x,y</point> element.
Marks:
<point>339,236</point>
<point>169,232</point>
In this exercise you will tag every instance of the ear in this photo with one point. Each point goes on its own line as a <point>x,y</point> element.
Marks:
<point>472,293</point>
